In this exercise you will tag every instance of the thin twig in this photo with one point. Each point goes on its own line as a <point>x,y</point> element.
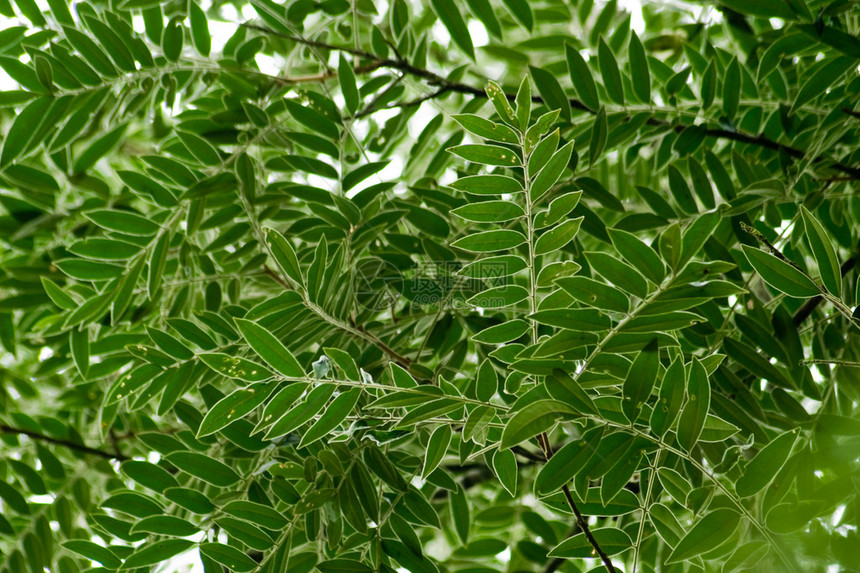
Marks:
<point>804,312</point>
<point>543,440</point>
<point>438,80</point>
<point>6,429</point>
<point>846,363</point>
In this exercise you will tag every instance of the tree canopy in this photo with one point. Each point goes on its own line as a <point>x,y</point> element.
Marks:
<point>482,286</point>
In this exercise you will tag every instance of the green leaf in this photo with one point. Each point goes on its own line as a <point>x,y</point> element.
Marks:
<point>524,103</point>
<point>549,174</point>
<point>487,185</point>
<point>486,154</point>
<point>269,348</point>
<point>781,275</point>
<point>640,75</point>
<point>343,566</point>
<point>13,498</point>
<point>543,151</point>
<point>701,184</point>
<point>557,237</point>
<point>205,468</point>
<point>610,539</point>
<point>484,12</point>
<point>256,513</point>
<point>334,415</point>
<point>88,270</point>
<point>171,39</point>
<point>762,469</point>
<point>486,382</point>
<point>499,297</point>
<point>670,398</point>
<point>492,267</point>
<point>283,252</point>
<point>165,525</point>
<point>566,462</point>
<point>522,12</point>
<point>551,91</point>
<point>199,29</point>
<point>599,134</point>
<point>559,207</point>
<point>489,211</point>
<point>437,447</point>
<point>499,100</point>
<point>280,402</point>
<point>708,533</point>
<point>122,222</point>
<point>22,129</point>
<point>594,293</point>
<point>501,333</point>
<point>580,75</point>
<point>732,87</point>
<point>345,362</point>
<point>302,412</point>
<point>681,191</point>
<point>348,87</point>
<point>485,128</point>
<point>610,73</point>
<point>695,410</point>
<point>459,502</point>
<point>823,251</point>
<point>580,319</point>
<point>57,295</point>
<point>156,552</point>
<point>90,51</point>
<point>235,367</point>
<point>104,249</point>
<point>450,16</point>
<point>618,273</point>
<point>490,241</point>
<point>149,475</point>
<point>642,257</point>
<point>361,173</point>
<point>169,344</point>
<point>639,382</point>
<point>564,388</point>
<point>233,407</point>
<point>762,8</point>
<point>533,419</point>
<point>697,234</point>
<point>826,72</point>
<point>228,556</point>
<point>133,503</point>
<point>93,551</point>
<point>190,499</point>
<point>505,466</point>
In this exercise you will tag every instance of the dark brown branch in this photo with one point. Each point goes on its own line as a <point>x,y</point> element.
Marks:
<point>802,313</point>
<point>543,440</point>
<point>851,112</point>
<point>406,104</point>
<point>6,429</point>
<point>448,85</point>
<point>756,234</point>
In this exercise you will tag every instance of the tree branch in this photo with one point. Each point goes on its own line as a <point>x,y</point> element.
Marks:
<point>6,429</point>
<point>448,85</point>
<point>804,312</point>
<point>543,440</point>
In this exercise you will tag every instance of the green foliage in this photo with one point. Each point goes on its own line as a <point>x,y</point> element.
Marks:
<point>347,286</point>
